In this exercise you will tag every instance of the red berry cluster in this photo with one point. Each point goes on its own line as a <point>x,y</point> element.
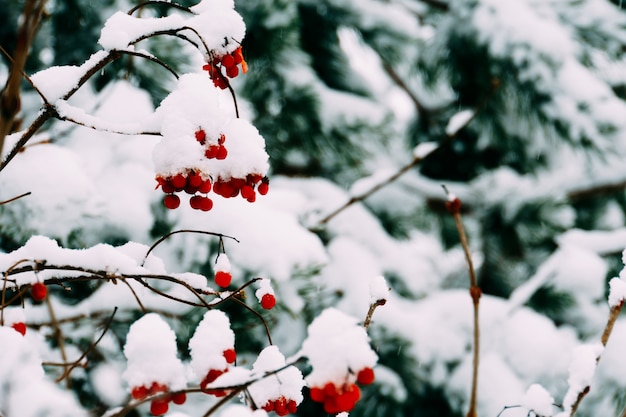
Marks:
<point>281,406</point>
<point>229,63</point>
<point>196,184</point>
<point>247,187</point>
<point>231,356</point>
<point>190,182</point>
<point>38,291</point>
<point>342,398</point>
<point>158,406</point>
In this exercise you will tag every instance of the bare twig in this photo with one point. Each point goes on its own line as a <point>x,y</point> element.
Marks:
<point>4,288</point>
<point>454,207</point>
<point>260,317</point>
<point>203,232</point>
<point>10,200</point>
<point>370,312</point>
<point>608,329</point>
<point>10,96</point>
<point>59,335</point>
<point>132,290</point>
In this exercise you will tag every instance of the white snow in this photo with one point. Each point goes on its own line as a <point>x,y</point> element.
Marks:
<point>538,400</point>
<point>207,345</point>
<point>458,121</point>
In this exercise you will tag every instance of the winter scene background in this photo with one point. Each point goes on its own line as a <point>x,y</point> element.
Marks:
<point>312,207</point>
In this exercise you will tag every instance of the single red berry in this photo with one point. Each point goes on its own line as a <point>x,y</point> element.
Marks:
<point>453,205</point>
<point>179,398</point>
<point>252,197</point>
<point>330,390</point>
<point>345,402</point>
<point>200,136</point>
<point>228,61</point>
<point>171,201</point>
<point>221,139</point>
<point>280,406</point>
<point>268,301</point>
<point>331,406</point>
<point>317,394</point>
<point>247,191</point>
<point>223,278</point>
<point>222,152</point>
<point>155,388</point>
<point>292,407</point>
<point>139,393</point>
<point>20,327</point>
<point>159,407</point>
<point>179,181</point>
<point>365,376</point>
<point>168,188</point>
<point>269,406</point>
<point>230,355</point>
<point>196,202</point>
<point>194,180</point>
<point>38,291</point>
<point>206,204</point>
<point>232,72</point>
<point>263,188</point>
<point>211,151</point>
<point>205,187</point>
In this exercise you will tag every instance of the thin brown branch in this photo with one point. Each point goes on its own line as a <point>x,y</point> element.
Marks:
<point>454,207</point>
<point>606,333</point>
<point>132,290</point>
<point>58,333</point>
<point>203,232</point>
<point>4,287</point>
<point>370,312</point>
<point>10,100</point>
<point>76,363</point>
<point>10,200</point>
<point>260,317</point>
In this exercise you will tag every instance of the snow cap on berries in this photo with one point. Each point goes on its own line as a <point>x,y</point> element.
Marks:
<point>151,341</point>
<point>336,346</point>
<point>287,383</point>
<point>212,337</point>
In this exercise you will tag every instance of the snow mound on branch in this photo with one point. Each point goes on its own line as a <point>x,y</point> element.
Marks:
<point>207,345</point>
<point>151,352</point>
<point>287,383</point>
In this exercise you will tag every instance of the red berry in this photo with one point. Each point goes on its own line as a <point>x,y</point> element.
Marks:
<point>230,355</point>
<point>223,278</point>
<point>247,191</point>
<point>200,136</point>
<point>196,202</point>
<point>222,152</point>
<point>330,390</point>
<point>228,61</point>
<point>194,180</point>
<point>280,406</point>
<point>155,388</point>
<point>20,327</point>
<point>453,206</point>
<point>365,376</point>
<point>263,188</point>
<point>205,187</point>
<point>168,188</point>
<point>159,407</point>
<point>292,407</point>
<point>268,301</point>
<point>211,151</point>
<point>221,139</point>
<point>232,72</point>
<point>252,197</point>
<point>269,406</point>
<point>317,394</point>
<point>171,201</point>
<point>179,398</point>
<point>331,406</point>
<point>206,204</point>
<point>179,181</point>
<point>139,393</point>
<point>38,291</point>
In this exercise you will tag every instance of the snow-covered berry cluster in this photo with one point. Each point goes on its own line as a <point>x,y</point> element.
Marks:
<point>212,349</point>
<point>339,352</point>
<point>220,67</point>
<point>205,150</point>
<point>151,341</point>
<point>280,392</point>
